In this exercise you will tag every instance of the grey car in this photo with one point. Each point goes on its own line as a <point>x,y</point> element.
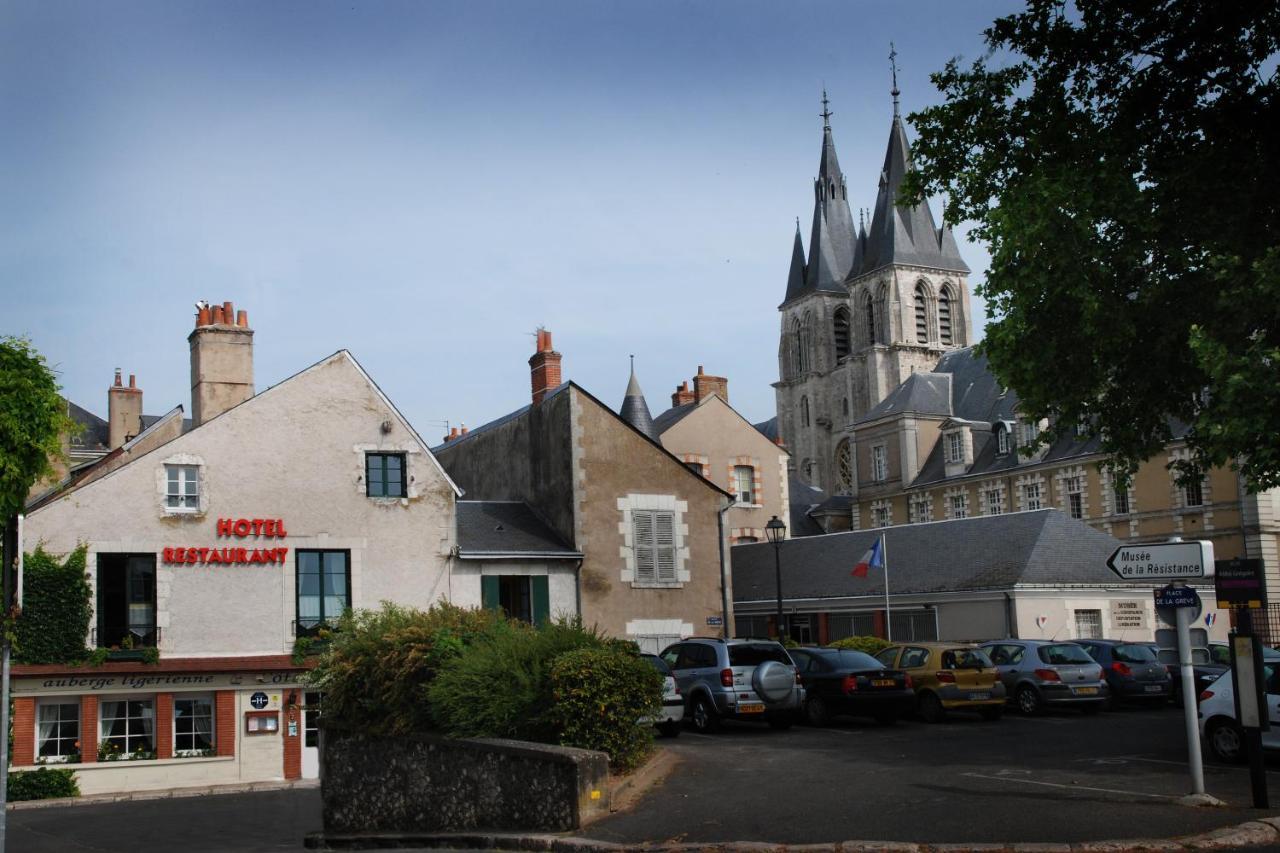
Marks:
<point>1133,671</point>
<point>1043,673</point>
<point>735,679</point>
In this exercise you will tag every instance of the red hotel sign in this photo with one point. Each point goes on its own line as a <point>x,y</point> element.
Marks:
<point>240,528</point>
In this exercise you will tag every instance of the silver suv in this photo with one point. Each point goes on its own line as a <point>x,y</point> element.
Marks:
<point>738,679</point>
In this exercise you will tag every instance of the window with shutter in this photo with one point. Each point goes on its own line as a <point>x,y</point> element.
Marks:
<point>665,545</point>
<point>642,536</point>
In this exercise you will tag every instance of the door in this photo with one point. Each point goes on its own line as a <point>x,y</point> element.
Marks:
<point>311,736</point>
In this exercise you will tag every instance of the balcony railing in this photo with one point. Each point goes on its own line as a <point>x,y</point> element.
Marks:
<point>127,636</point>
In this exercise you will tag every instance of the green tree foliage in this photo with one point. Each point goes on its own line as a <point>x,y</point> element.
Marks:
<point>1120,160</point>
<point>870,645</point>
<point>43,784</point>
<point>600,697</point>
<point>32,420</point>
<point>56,608</point>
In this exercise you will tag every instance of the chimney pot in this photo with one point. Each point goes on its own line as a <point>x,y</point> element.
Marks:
<point>117,382</point>
<point>464,429</point>
<point>242,319</point>
<point>133,381</point>
<point>204,316</point>
<point>228,313</point>
<point>221,361</point>
<point>216,318</point>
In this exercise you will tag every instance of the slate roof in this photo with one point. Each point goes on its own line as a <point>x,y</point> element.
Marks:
<point>1043,548</point>
<point>497,422</point>
<point>95,432</point>
<point>506,528</point>
<point>635,410</point>
<point>769,428</point>
<point>804,499</point>
<point>149,421</point>
<point>672,416</point>
<point>921,394</point>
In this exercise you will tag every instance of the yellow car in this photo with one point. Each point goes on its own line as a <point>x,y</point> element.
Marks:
<point>949,677</point>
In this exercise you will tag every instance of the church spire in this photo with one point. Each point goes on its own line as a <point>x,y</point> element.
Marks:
<point>635,410</point>
<point>795,276</point>
<point>831,241</point>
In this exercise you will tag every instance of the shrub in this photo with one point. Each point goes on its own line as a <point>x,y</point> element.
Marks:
<point>600,696</point>
<point>870,645</point>
<point>56,608</point>
<point>378,663</point>
<point>43,784</point>
<point>501,687</point>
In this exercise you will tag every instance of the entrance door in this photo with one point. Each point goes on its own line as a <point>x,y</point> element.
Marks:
<point>311,736</point>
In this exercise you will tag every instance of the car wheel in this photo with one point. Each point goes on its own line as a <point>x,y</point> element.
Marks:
<point>670,728</point>
<point>781,723</point>
<point>991,713</point>
<point>931,708</point>
<point>816,712</point>
<point>1028,700</point>
<point>1226,741</point>
<point>703,716</point>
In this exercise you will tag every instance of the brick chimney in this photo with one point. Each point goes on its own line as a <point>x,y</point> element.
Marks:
<point>544,367</point>
<point>683,395</point>
<point>124,411</point>
<point>705,385</point>
<point>221,361</point>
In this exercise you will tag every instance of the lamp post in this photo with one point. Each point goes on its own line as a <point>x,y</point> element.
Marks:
<point>776,530</point>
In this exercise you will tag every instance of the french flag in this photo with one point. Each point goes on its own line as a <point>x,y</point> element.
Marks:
<point>873,559</point>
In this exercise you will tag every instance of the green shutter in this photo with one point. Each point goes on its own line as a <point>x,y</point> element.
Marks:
<point>489,592</point>
<point>541,598</point>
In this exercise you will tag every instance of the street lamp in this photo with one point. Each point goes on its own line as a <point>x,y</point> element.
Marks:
<point>776,530</point>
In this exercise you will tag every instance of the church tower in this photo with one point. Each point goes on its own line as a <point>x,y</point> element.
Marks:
<point>865,310</point>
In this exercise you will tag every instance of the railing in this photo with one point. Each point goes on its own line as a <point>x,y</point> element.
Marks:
<point>126,636</point>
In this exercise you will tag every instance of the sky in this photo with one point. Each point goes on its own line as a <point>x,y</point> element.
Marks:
<point>425,184</point>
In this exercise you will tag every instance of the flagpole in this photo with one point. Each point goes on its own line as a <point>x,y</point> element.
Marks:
<point>888,616</point>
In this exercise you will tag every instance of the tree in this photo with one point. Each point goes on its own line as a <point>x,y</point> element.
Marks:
<point>33,418</point>
<point>1121,161</point>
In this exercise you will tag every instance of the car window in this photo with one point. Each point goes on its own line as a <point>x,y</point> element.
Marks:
<point>999,654</point>
<point>1133,654</point>
<point>658,663</point>
<point>1092,651</point>
<point>1016,654</point>
<point>690,656</point>
<point>1064,653</point>
<point>670,655</point>
<point>849,659</point>
<point>1221,654</point>
<point>965,659</point>
<point>707,656</point>
<point>754,654</point>
<point>888,656</point>
<point>1271,672</point>
<point>804,663</point>
<point>913,657</point>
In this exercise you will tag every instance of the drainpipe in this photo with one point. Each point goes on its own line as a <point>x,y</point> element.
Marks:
<point>724,574</point>
<point>577,589</point>
<point>1009,630</point>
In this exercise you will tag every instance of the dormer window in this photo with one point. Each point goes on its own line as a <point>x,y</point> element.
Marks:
<point>955,447</point>
<point>1002,440</point>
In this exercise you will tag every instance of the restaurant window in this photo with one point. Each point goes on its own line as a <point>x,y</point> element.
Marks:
<point>743,480</point>
<point>58,732</point>
<point>384,475</point>
<point>523,597</point>
<point>192,726</point>
<point>182,492</point>
<point>128,729</point>
<point>126,612</point>
<point>324,588</point>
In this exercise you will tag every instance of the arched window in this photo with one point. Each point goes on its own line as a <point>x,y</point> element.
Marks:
<point>844,406</point>
<point>840,332</point>
<point>944,316</point>
<point>795,347</point>
<point>1002,440</point>
<point>922,314</point>
<point>869,310</point>
<point>804,411</point>
<point>806,342</point>
<point>844,466</point>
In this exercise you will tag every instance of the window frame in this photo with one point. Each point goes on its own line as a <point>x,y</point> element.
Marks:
<point>383,456</point>
<point>955,446</point>
<point>1075,497</point>
<point>649,571</point>
<point>1026,496</point>
<point>750,470</point>
<point>1196,489</point>
<point>104,738</point>
<point>959,505</point>
<point>879,462</point>
<point>1002,441</point>
<point>323,619</point>
<point>73,755</point>
<point>1119,497</point>
<point>181,501</point>
<point>195,752</point>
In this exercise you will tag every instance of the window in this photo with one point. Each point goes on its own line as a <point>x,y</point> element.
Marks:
<point>921,509</point>
<point>844,406</point>
<point>126,612</point>
<point>192,725</point>
<point>695,467</point>
<point>879,463</point>
<point>1031,495</point>
<point>183,491</point>
<point>128,728</point>
<point>1002,441</point>
<point>797,362</point>
<point>1075,501</point>
<point>324,588</point>
<point>384,475</point>
<point>844,465</point>
<point>1192,495</point>
<point>840,332</point>
<point>944,316</point>
<point>58,732</point>
<point>991,501</point>
<point>804,411</point>
<point>1082,428</point>
<point>955,447</point>
<point>959,506</point>
<point>1121,506</point>
<point>922,316</point>
<point>745,540</point>
<point>1088,626</point>
<point>869,313</point>
<point>879,516</point>
<point>311,720</point>
<point>523,597</point>
<point>743,482</point>
<point>654,538</point>
<point>806,342</point>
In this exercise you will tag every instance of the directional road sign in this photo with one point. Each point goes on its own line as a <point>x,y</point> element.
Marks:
<point>1163,561</point>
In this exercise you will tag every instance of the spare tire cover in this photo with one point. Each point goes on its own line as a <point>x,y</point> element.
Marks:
<point>773,681</point>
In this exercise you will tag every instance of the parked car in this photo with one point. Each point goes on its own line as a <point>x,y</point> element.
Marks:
<point>735,679</point>
<point>1218,725</point>
<point>948,677</point>
<point>851,683</point>
<point>1204,673</point>
<point>670,719</point>
<point>1133,671</point>
<point>1040,673</point>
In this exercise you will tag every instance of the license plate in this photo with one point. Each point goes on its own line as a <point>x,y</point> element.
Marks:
<point>883,682</point>
<point>1154,688</point>
<point>979,697</point>
<point>1085,691</point>
<point>750,708</point>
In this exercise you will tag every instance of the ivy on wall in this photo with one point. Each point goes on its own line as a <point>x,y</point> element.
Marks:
<point>56,608</point>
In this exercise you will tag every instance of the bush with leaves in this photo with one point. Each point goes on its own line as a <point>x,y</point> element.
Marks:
<point>600,696</point>
<point>378,663</point>
<point>45,783</point>
<point>870,645</point>
<point>56,608</point>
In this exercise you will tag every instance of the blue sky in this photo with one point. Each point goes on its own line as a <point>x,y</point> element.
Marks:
<point>426,183</point>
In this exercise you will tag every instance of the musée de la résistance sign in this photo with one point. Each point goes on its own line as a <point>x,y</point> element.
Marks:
<point>235,528</point>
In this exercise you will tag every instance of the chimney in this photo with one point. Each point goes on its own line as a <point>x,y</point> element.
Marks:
<point>124,411</point>
<point>683,395</point>
<point>221,361</point>
<point>544,367</point>
<point>705,385</point>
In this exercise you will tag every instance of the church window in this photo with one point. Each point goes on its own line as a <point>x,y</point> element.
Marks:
<point>840,332</point>
<point>879,463</point>
<point>844,465</point>
<point>804,411</point>
<point>796,344</point>
<point>844,406</point>
<point>869,309</point>
<point>922,318</point>
<point>944,316</point>
<point>806,342</point>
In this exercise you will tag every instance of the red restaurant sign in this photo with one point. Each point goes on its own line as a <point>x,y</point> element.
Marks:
<point>240,528</point>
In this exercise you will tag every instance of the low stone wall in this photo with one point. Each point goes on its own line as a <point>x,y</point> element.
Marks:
<point>427,783</point>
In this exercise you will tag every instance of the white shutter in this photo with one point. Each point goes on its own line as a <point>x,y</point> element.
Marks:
<point>642,538</point>
<point>665,545</point>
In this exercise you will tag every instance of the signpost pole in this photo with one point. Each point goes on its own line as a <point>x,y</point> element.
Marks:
<point>1189,710</point>
<point>1253,734</point>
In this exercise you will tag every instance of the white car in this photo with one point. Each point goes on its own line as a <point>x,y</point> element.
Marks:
<point>671,718</point>
<point>1218,726</point>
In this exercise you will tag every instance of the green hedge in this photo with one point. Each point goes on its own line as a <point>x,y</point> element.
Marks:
<point>56,609</point>
<point>600,696</point>
<point>43,784</point>
<point>870,645</point>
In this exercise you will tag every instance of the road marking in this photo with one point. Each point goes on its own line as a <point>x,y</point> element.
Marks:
<point>1068,787</point>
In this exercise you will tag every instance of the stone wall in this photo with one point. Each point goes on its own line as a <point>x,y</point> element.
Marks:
<point>427,783</point>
